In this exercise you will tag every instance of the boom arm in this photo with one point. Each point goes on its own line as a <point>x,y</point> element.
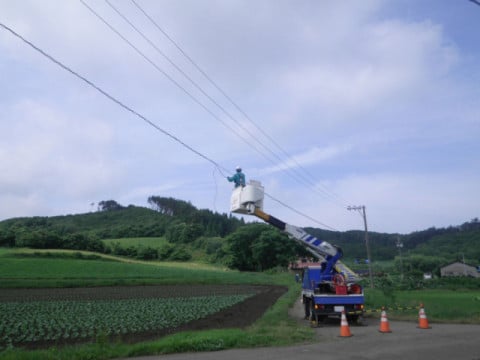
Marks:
<point>249,200</point>
<point>322,248</point>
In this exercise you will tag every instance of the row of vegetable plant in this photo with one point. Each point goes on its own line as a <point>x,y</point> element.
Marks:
<point>51,321</point>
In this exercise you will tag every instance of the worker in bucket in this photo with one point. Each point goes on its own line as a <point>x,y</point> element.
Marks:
<point>238,178</point>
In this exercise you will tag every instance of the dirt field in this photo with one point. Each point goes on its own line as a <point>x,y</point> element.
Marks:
<point>239,315</point>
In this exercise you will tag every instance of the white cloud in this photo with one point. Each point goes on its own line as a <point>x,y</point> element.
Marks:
<point>382,64</point>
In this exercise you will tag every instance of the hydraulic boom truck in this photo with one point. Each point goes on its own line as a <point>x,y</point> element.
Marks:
<point>328,289</point>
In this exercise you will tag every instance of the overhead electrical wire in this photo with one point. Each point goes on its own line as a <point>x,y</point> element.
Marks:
<point>295,174</point>
<point>170,78</point>
<point>306,176</point>
<point>299,212</point>
<point>159,69</point>
<point>191,81</point>
<point>114,99</point>
<point>134,112</point>
<point>142,54</point>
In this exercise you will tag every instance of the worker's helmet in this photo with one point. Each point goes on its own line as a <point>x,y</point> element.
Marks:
<point>238,169</point>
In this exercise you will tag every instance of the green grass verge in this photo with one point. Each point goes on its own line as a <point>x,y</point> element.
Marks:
<point>459,306</point>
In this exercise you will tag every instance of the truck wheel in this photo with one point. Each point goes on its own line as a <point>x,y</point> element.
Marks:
<point>306,307</point>
<point>358,320</point>
<point>353,319</point>
<point>321,318</point>
<point>313,315</point>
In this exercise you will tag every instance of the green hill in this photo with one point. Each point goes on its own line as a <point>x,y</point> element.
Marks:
<point>176,220</point>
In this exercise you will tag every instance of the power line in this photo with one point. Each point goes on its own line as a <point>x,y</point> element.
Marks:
<point>299,213</point>
<point>298,175</point>
<point>114,99</point>
<point>307,178</point>
<point>176,83</point>
<point>137,114</point>
<point>159,69</point>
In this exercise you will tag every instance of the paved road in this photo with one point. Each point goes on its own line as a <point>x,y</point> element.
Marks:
<point>441,342</point>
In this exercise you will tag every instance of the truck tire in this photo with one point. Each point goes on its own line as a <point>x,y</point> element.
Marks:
<point>306,307</point>
<point>313,314</point>
<point>321,318</point>
<point>355,320</point>
<point>314,318</point>
<point>352,319</point>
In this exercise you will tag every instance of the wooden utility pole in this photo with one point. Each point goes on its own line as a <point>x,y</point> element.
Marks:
<point>399,244</point>
<point>362,211</point>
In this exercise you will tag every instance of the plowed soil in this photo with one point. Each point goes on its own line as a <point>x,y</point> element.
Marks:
<point>239,315</point>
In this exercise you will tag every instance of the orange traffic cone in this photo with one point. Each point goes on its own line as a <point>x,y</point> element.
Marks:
<point>422,319</point>
<point>384,325</point>
<point>344,328</point>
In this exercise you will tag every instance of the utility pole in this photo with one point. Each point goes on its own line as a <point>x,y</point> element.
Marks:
<point>399,244</point>
<point>361,210</point>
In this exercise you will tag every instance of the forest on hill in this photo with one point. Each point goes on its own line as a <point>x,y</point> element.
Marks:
<point>222,238</point>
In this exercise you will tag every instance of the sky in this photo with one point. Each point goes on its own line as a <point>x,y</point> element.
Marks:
<point>328,103</point>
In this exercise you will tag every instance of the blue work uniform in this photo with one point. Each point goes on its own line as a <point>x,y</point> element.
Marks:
<point>238,179</point>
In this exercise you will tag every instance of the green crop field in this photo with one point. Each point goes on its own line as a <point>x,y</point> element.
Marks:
<point>33,321</point>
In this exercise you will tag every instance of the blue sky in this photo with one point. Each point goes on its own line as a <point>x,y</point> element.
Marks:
<point>371,103</point>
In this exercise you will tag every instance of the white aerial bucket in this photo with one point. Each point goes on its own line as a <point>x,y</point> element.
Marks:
<point>245,199</point>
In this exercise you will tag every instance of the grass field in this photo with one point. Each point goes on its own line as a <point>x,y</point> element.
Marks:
<point>459,306</point>
<point>62,268</point>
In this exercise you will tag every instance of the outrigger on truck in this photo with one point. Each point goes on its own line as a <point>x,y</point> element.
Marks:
<point>328,289</point>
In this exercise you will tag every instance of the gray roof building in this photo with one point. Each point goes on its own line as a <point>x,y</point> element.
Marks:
<point>459,269</point>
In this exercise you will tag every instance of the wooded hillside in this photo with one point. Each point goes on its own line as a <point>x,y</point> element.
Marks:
<point>187,228</point>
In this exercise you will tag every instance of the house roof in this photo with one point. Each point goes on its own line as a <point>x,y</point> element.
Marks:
<point>458,263</point>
